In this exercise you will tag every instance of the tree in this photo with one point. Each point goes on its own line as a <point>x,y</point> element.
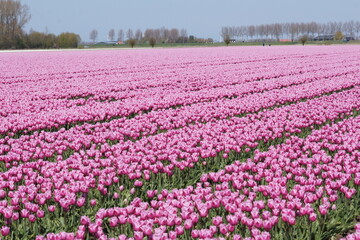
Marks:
<point>138,35</point>
<point>157,35</point>
<point>338,36</point>
<point>93,35</point>
<point>349,28</point>
<point>164,34</point>
<point>293,30</point>
<point>49,41</point>
<point>149,33</point>
<point>121,35</point>
<point>13,17</point>
<point>313,28</point>
<point>357,28</point>
<point>303,39</point>
<point>131,42</point>
<point>183,35</point>
<point>34,39</point>
<point>174,35</point>
<point>251,31</point>
<point>225,32</point>
<point>277,31</point>
<point>227,40</point>
<point>152,42</point>
<point>111,35</point>
<point>68,40</point>
<point>40,40</point>
<point>129,34</point>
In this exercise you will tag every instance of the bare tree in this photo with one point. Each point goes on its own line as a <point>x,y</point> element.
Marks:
<point>225,33</point>
<point>149,33</point>
<point>93,35</point>
<point>349,28</point>
<point>13,17</point>
<point>294,30</point>
<point>357,28</point>
<point>277,31</point>
<point>313,28</point>
<point>183,35</point>
<point>111,35</point>
<point>164,34</point>
<point>130,38</point>
<point>129,34</point>
<point>251,31</point>
<point>121,35</point>
<point>138,35</point>
<point>243,32</point>
<point>174,35</point>
<point>157,35</point>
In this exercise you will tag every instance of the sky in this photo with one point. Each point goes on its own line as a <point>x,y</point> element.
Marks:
<point>201,18</point>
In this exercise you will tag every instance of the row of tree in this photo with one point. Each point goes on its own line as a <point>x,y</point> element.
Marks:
<point>47,40</point>
<point>293,31</point>
<point>41,40</point>
<point>14,16</point>
<point>158,35</point>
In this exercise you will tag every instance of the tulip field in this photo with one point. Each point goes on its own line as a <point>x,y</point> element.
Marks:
<point>184,143</point>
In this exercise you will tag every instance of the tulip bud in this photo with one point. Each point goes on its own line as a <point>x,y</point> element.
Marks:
<point>312,217</point>
<point>5,230</point>
<point>92,202</point>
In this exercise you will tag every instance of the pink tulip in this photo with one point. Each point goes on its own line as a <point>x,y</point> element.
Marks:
<point>312,217</point>
<point>5,230</point>
<point>51,208</point>
<point>92,202</point>
<point>32,218</point>
<point>180,230</point>
<point>84,220</point>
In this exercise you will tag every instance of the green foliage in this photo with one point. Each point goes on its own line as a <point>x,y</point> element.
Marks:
<point>43,40</point>
<point>40,40</point>
<point>339,36</point>
<point>227,40</point>
<point>152,42</point>
<point>68,40</point>
<point>303,39</point>
<point>131,42</point>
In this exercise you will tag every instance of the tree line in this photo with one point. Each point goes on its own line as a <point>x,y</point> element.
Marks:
<point>292,31</point>
<point>150,35</point>
<point>48,40</point>
<point>14,16</point>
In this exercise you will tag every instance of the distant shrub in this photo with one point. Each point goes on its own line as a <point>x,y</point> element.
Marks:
<point>152,42</point>
<point>338,36</point>
<point>131,42</point>
<point>303,39</point>
<point>68,40</point>
<point>227,40</point>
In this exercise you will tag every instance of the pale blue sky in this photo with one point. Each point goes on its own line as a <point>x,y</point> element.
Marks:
<point>202,18</point>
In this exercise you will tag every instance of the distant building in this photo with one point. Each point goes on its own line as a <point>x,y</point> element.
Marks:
<point>347,38</point>
<point>111,42</point>
<point>331,38</point>
<point>285,40</point>
<point>324,38</point>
